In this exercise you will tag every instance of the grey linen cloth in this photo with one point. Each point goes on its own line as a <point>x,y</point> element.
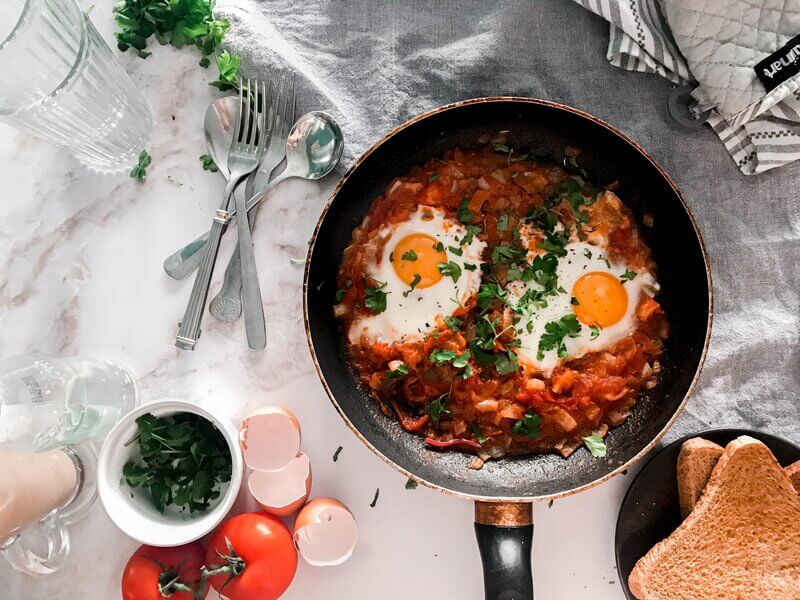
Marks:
<point>375,64</point>
<point>713,46</point>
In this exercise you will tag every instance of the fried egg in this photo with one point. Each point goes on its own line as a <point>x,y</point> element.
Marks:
<point>430,266</point>
<point>599,299</point>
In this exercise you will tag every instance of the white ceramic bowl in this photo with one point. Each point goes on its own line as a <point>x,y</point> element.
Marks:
<point>132,511</point>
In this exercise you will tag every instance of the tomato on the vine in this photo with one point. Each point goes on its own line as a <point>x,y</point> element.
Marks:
<point>252,556</point>
<point>158,573</point>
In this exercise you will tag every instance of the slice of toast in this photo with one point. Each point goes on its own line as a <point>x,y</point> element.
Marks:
<point>742,540</point>
<point>696,460</point>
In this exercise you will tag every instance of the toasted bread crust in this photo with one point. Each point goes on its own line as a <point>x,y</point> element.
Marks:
<point>742,540</point>
<point>696,461</point>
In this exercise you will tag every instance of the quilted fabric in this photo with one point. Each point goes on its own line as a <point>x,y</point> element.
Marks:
<point>712,45</point>
<point>722,40</point>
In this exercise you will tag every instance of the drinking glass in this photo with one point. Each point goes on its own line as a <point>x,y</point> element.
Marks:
<point>48,402</point>
<point>59,81</point>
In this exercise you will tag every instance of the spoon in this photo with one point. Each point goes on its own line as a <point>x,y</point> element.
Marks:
<point>313,149</point>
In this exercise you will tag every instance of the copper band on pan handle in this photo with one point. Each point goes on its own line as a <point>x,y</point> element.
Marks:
<point>504,514</point>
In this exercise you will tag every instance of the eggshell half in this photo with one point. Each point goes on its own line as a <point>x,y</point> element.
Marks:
<point>270,438</point>
<point>282,492</point>
<point>325,532</point>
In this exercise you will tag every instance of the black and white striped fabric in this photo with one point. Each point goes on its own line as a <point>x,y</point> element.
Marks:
<point>764,136</point>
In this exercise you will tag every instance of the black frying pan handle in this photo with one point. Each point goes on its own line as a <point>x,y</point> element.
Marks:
<point>505,539</point>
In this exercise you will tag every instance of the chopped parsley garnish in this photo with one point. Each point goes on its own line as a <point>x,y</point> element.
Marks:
<point>339,295</point>
<point>450,269</point>
<point>414,283</point>
<point>453,323</point>
<point>574,301</point>
<point>627,275</point>
<point>487,293</point>
<point>409,255</point>
<point>502,222</point>
<point>456,251</point>
<point>208,163</point>
<point>478,434</point>
<point>439,247</point>
<point>464,214</point>
<point>595,332</point>
<point>437,408</point>
<point>595,444</point>
<point>506,362</point>
<point>375,297</point>
<point>470,266</point>
<point>555,332</point>
<point>400,371</point>
<point>502,148</point>
<point>433,178</point>
<point>506,254</point>
<point>472,231</point>
<point>529,426</point>
<point>140,170</point>
<point>440,356</point>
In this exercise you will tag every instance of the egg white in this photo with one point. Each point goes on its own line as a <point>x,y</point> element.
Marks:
<point>411,313</point>
<point>581,258</point>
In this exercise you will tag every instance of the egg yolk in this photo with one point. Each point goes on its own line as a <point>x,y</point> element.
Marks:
<point>421,258</point>
<point>602,299</point>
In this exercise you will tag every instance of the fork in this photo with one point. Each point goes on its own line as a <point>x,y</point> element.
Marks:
<point>227,304</point>
<point>247,147</point>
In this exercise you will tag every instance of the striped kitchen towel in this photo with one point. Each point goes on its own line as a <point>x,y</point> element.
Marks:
<point>742,58</point>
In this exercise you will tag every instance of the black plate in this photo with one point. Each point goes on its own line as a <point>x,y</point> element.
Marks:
<point>650,510</point>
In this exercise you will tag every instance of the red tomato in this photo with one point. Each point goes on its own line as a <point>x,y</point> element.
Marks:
<point>261,557</point>
<point>151,567</point>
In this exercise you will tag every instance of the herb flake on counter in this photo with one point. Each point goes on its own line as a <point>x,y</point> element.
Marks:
<point>595,444</point>
<point>184,461</point>
<point>411,484</point>
<point>140,170</point>
<point>208,163</point>
<point>337,453</point>
<point>375,499</point>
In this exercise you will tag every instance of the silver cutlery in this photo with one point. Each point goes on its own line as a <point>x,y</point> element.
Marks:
<point>227,304</point>
<point>247,146</point>
<point>313,149</point>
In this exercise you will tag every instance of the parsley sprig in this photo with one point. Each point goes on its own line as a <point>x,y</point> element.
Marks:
<point>554,334</point>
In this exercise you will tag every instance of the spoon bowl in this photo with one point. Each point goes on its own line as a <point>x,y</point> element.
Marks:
<point>313,149</point>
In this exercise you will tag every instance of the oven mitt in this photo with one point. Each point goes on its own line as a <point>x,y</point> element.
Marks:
<point>741,56</point>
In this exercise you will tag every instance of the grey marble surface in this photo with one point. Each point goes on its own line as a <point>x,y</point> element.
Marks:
<point>80,269</point>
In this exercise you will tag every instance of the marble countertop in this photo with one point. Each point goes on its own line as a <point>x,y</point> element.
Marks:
<point>80,274</point>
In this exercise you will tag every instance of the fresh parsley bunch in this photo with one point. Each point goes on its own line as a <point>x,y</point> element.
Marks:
<point>184,461</point>
<point>178,23</point>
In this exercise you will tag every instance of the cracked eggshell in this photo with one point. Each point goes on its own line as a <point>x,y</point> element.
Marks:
<point>270,438</point>
<point>325,532</point>
<point>282,492</point>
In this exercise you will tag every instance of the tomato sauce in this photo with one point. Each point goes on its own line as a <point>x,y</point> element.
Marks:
<point>488,413</point>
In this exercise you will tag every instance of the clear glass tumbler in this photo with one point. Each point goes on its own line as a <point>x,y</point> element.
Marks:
<point>48,402</point>
<point>59,81</point>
